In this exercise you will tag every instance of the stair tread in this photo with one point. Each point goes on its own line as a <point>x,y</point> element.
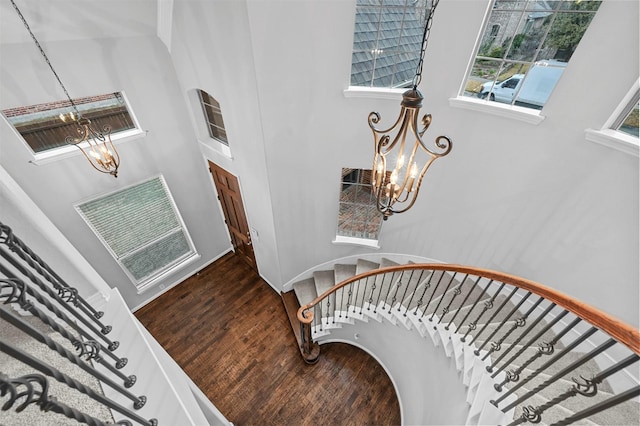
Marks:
<point>324,280</point>
<point>343,272</point>
<point>441,293</point>
<point>363,265</point>
<point>305,291</point>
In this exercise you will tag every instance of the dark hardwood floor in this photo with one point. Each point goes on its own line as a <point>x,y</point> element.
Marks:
<point>229,331</point>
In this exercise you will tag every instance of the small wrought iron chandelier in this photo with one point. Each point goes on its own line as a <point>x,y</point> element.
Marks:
<point>396,176</point>
<point>95,144</point>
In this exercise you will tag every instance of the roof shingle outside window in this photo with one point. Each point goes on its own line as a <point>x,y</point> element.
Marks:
<point>387,42</point>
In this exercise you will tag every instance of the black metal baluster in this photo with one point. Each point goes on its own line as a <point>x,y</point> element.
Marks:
<point>349,296</point>
<point>397,286</point>
<point>495,314</point>
<point>373,289</point>
<point>385,276</point>
<point>13,291</point>
<point>63,378</point>
<point>413,293</point>
<point>442,296</point>
<point>488,304</point>
<point>552,361</point>
<point>426,287</point>
<point>393,286</point>
<point>601,406</point>
<point>52,294</point>
<point>518,322</point>
<point>40,398</point>
<point>317,319</point>
<point>462,304</point>
<point>435,289</point>
<point>120,362</point>
<point>482,293</point>
<point>582,386</point>
<point>27,328</point>
<point>364,293</point>
<point>15,241</point>
<point>456,292</point>
<point>544,348</point>
<point>530,342</point>
<point>323,319</point>
<point>341,300</point>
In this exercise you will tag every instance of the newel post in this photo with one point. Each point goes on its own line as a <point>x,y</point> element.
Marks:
<point>310,350</point>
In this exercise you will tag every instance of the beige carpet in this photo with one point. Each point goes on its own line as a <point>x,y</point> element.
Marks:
<point>32,415</point>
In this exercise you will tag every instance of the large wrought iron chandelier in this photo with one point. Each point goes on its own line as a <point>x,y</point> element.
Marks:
<point>397,176</point>
<point>95,144</point>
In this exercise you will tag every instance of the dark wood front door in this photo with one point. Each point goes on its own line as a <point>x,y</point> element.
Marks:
<point>235,217</point>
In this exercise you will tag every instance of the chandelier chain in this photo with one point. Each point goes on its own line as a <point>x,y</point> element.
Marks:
<point>44,55</point>
<point>425,41</point>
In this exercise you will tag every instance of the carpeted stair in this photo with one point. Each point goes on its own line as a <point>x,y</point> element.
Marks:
<point>32,414</point>
<point>401,299</point>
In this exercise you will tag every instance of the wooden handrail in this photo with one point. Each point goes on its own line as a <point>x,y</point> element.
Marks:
<point>622,332</point>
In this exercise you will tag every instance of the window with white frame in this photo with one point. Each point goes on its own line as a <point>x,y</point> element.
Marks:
<point>358,216</point>
<point>44,127</point>
<point>142,229</point>
<point>524,49</point>
<point>213,116</point>
<point>620,131</point>
<point>387,41</point>
<point>627,121</point>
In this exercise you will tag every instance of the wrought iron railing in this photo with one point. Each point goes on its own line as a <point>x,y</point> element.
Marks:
<point>532,340</point>
<point>70,327</point>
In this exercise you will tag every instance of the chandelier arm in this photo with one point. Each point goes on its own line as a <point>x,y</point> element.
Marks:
<point>91,162</point>
<point>114,151</point>
<point>383,142</point>
<point>374,118</point>
<point>415,196</point>
<point>426,122</point>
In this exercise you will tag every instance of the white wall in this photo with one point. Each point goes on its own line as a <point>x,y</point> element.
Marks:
<point>28,223</point>
<point>536,201</point>
<point>211,51</point>
<point>428,386</point>
<point>139,66</point>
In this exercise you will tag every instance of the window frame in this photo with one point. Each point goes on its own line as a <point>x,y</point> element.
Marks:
<point>210,121</point>
<point>157,276</point>
<point>522,113</point>
<point>202,125</point>
<point>69,151</point>
<point>356,90</point>
<point>350,239</point>
<point>609,135</point>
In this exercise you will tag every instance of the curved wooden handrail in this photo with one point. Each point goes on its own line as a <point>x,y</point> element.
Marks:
<point>622,332</point>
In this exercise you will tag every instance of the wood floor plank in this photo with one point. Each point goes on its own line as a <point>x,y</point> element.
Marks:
<point>230,333</point>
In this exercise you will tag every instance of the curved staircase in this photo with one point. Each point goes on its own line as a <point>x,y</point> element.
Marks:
<point>525,353</point>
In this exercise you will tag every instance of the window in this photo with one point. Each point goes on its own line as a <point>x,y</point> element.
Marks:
<point>213,116</point>
<point>142,229</point>
<point>627,122</point>
<point>358,216</point>
<point>530,40</point>
<point>44,127</point>
<point>620,131</point>
<point>387,41</point>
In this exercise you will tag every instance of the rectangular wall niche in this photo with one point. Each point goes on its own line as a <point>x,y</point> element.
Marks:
<point>142,229</point>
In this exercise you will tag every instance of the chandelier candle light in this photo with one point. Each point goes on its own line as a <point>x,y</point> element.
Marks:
<point>396,183</point>
<point>96,145</point>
